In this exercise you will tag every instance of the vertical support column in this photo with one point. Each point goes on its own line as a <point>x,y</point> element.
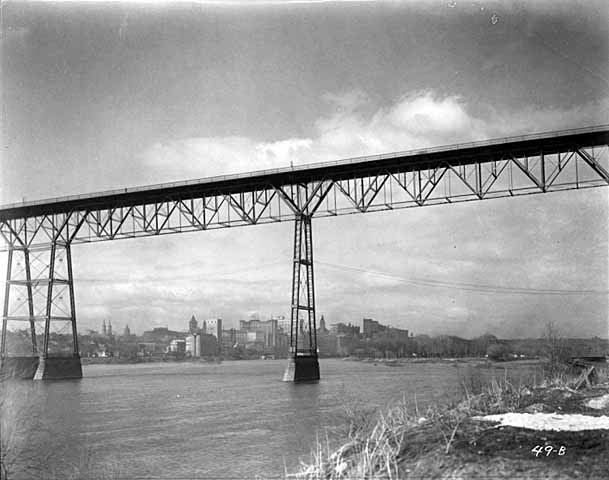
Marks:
<point>75,350</point>
<point>49,303</point>
<point>30,300</point>
<point>14,362</point>
<point>59,365</point>
<point>7,291</point>
<point>303,364</point>
<point>542,160</point>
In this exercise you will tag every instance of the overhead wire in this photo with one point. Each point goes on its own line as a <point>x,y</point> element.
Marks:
<point>465,286</point>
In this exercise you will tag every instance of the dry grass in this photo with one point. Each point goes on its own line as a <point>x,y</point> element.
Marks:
<point>379,447</point>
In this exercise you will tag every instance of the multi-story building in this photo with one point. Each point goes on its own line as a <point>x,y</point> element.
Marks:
<point>282,323</point>
<point>256,336</point>
<point>209,345</point>
<point>161,335</point>
<point>343,329</point>
<point>149,348</point>
<point>267,330</point>
<point>241,337</point>
<point>373,329</point>
<point>201,344</point>
<point>398,333</point>
<point>213,326</point>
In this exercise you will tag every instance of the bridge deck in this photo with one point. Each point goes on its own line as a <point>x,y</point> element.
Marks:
<point>421,159</point>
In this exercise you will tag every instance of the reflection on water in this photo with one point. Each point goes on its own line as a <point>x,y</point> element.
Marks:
<point>232,420</point>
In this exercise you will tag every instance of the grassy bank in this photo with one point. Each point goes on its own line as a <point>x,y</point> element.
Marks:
<point>446,442</point>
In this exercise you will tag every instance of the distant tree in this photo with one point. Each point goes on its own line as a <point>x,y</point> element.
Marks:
<point>480,344</point>
<point>497,352</point>
<point>555,349</point>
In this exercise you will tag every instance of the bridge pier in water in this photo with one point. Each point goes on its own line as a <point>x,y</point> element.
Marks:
<point>303,365</point>
<point>39,288</point>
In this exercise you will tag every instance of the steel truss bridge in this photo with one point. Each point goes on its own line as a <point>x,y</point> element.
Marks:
<point>38,235</point>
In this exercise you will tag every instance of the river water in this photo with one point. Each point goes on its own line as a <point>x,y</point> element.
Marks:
<point>200,421</point>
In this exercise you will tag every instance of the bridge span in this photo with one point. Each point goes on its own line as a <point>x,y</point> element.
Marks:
<point>38,235</point>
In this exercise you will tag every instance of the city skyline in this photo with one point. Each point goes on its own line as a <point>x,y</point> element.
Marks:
<point>119,329</point>
<point>99,98</point>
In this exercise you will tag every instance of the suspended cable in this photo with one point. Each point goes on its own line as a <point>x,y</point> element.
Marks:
<point>485,288</point>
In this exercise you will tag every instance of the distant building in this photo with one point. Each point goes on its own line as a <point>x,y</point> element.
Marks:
<point>234,337</point>
<point>266,330</point>
<point>109,328</point>
<point>209,345</point>
<point>397,333</point>
<point>255,336</point>
<point>161,335</point>
<point>229,338</point>
<point>322,326</point>
<point>178,346</point>
<point>193,327</point>
<point>193,345</point>
<point>103,329</point>
<point>148,348</point>
<point>126,331</point>
<point>283,323</point>
<point>343,329</point>
<point>213,327</point>
<point>371,327</point>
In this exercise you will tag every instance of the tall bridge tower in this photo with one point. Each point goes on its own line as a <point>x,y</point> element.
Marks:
<point>40,289</point>
<point>303,364</point>
<point>38,236</point>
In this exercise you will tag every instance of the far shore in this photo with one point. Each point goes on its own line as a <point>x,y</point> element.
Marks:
<point>476,361</point>
<point>480,362</point>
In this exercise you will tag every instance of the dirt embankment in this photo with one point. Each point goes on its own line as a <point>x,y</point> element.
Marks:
<point>457,442</point>
<point>486,449</point>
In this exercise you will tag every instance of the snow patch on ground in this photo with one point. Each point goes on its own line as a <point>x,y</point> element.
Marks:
<point>598,403</point>
<point>549,421</point>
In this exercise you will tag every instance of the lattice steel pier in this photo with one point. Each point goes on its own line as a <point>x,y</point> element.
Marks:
<point>38,236</point>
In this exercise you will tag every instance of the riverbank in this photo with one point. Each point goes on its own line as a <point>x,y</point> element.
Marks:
<point>460,440</point>
<point>136,360</point>
<point>480,362</point>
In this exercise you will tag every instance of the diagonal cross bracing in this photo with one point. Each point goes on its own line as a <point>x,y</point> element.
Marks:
<point>499,168</point>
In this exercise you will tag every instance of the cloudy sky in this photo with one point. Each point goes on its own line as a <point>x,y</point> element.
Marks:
<point>106,95</point>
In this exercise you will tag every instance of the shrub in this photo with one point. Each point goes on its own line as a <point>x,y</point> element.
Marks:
<point>497,352</point>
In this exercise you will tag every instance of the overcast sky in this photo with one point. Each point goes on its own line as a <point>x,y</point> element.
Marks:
<point>109,95</point>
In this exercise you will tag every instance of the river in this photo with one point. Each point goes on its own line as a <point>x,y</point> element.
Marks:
<point>201,421</point>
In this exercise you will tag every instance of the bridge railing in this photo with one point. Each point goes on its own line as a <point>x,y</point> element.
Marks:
<point>332,163</point>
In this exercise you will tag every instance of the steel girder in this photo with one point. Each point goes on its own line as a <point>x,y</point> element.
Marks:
<point>369,191</point>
